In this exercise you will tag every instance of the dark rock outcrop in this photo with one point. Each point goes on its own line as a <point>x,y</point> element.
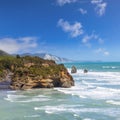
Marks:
<point>73,69</point>
<point>85,71</point>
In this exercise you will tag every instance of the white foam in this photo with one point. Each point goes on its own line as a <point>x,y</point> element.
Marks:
<point>11,91</point>
<point>113,102</point>
<point>12,98</point>
<point>32,116</point>
<point>59,108</point>
<point>75,115</point>
<point>26,99</point>
<point>81,96</point>
<point>76,110</point>
<point>88,91</point>
<point>33,100</point>
<point>48,112</point>
<point>88,119</point>
<point>110,67</point>
<point>99,76</point>
<point>92,85</point>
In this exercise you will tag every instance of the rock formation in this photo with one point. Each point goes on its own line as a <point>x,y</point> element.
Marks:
<point>34,72</point>
<point>85,71</point>
<point>74,69</point>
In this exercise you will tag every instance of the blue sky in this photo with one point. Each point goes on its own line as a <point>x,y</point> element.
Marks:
<point>74,29</point>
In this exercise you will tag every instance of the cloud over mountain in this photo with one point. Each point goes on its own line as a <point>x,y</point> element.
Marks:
<point>13,45</point>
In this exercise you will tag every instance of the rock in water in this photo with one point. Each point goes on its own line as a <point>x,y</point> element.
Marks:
<point>85,71</point>
<point>74,69</point>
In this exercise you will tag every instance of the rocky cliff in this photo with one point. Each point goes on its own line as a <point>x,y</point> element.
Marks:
<point>48,56</point>
<point>34,72</point>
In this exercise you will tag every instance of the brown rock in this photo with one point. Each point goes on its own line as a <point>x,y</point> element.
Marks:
<point>43,74</point>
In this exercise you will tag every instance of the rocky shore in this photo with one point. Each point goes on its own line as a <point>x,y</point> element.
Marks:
<point>33,72</point>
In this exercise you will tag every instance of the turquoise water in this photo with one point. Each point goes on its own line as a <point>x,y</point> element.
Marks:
<point>95,96</point>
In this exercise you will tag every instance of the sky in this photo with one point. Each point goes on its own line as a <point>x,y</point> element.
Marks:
<point>75,29</point>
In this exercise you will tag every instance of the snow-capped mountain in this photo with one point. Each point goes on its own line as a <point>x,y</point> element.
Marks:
<point>47,56</point>
<point>55,58</point>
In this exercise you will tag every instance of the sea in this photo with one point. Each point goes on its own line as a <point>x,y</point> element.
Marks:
<point>95,96</point>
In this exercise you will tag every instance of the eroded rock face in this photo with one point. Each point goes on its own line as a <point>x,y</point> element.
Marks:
<point>45,74</point>
<point>27,82</point>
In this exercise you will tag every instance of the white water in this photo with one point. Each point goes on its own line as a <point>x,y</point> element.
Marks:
<point>94,85</point>
<point>95,96</point>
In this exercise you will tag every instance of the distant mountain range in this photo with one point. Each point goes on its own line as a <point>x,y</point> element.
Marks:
<point>45,56</point>
<point>3,53</point>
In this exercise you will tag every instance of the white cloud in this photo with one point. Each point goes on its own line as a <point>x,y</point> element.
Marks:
<point>87,39</point>
<point>103,51</point>
<point>96,1</point>
<point>106,53</point>
<point>14,45</point>
<point>100,6</point>
<point>99,50</point>
<point>100,40</point>
<point>82,11</point>
<point>63,2</point>
<point>75,29</point>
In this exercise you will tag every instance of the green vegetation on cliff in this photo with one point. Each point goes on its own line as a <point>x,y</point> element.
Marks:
<point>29,65</point>
<point>34,72</point>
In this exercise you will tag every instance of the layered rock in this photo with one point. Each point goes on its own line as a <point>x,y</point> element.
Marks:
<point>29,82</point>
<point>34,72</point>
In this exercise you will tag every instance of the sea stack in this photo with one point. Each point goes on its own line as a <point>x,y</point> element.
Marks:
<point>85,71</point>
<point>73,69</point>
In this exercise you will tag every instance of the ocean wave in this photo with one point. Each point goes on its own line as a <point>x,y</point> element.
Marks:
<point>95,85</point>
<point>88,119</point>
<point>110,67</point>
<point>113,102</point>
<point>11,91</point>
<point>76,110</point>
<point>32,116</point>
<point>96,74</point>
<point>98,77</point>
<point>93,93</point>
<point>26,99</point>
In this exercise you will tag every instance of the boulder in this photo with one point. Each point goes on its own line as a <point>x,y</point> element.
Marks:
<point>74,69</point>
<point>85,71</point>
